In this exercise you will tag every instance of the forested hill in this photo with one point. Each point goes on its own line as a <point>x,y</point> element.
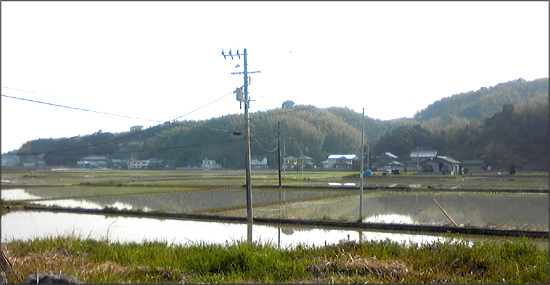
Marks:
<point>304,130</point>
<point>484,102</point>
<point>505,124</point>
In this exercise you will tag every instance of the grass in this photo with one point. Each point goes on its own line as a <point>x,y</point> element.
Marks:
<point>236,178</point>
<point>369,262</point>
<point>7,206</point>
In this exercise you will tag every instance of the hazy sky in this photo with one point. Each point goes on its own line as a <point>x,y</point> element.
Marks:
<point>157,61</point>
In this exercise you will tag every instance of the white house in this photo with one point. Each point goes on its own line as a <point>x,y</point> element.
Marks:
<point>93,161</point>
<point>258,162</point>
<point>138,164</point>
<point>210,164</point>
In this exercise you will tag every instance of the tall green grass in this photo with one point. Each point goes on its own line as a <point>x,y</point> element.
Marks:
<point>241,262</point>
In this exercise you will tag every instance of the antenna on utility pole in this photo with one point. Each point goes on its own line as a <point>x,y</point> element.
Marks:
<point>243,97</point>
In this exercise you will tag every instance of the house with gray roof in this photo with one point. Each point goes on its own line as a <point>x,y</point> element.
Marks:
<point>341,161</point>
<point>387,161</point>
<point>440,165</point>
<point>418,157</point>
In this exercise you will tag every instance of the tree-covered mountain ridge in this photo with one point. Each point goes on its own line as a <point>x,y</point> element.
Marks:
<point>515,133</point>
<point>484,102</point>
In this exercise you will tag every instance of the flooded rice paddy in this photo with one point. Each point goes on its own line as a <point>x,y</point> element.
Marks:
<point>35,224</point>
<point>496,211</point>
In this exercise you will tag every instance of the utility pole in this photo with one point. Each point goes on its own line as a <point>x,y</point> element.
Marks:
<point>284,158</point>
<point>280,184</point>
<point>279,152</point>
<point>362,159</point>
<point>246,100</point>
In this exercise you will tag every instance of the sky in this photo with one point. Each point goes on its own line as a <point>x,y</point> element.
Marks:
<point>74,68</point>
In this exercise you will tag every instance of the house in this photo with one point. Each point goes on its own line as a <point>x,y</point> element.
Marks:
<point>340,161</point>
<point>210,164</point>
<point>475,166</point>
<point>156,164</point>
<point>306,162</point>
<point>258,162</point>
<point>138,164</point>
<point>417,157</point>
<point>119,163</point>
<point>93,161</point>
<point>441,165</point>
<point>301,162</point>
<point>290,162</point>
<point>387,161</point>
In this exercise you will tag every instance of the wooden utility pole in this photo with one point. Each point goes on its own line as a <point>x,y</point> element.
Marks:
<point>246,100</point>
<point>362,160</point>
<point>279,152</point>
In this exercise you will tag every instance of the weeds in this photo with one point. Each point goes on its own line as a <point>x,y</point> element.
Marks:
<point>348,262</point>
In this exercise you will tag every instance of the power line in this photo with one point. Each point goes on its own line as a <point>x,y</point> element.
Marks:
<point>180,147</point>
<point>159,149</point>
<point>79,109</point>
<point>264,147</point>
<point>146,130</point>
<point>123,137</point>
<point>15,89</point>
<point>204,105</point>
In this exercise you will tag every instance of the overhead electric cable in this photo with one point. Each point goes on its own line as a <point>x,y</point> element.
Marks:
<point>179,147</point>
<point>15,89</point>
<point>264,147</point>
<point>204,105</point>
<point>79,109</point>
<point>123,137</point>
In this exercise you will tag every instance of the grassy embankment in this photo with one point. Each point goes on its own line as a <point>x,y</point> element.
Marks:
<point>380,262</point>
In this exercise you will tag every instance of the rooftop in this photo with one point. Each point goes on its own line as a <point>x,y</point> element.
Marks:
<point>342,156</point>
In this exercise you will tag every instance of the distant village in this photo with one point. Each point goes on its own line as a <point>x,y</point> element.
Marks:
<point>426,162</point>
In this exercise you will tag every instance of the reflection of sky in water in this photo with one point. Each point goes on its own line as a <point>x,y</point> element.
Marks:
<point>529,212</point>
<point>85,204</point>
<point>18,194</point>
<point>341,184</point>
<point>24,225</point>
<point>390,219</point>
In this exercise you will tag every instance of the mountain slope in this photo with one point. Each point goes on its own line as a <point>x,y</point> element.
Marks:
<point>484,102</point>
<point>472,125</point>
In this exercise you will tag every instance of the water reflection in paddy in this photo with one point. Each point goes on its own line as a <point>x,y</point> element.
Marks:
<point>19,194</point>
<point>172,201</point>
<point>497,211</point>
<point>23,225</point>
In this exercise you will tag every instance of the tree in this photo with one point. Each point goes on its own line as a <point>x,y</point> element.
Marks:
<point>288,104</point>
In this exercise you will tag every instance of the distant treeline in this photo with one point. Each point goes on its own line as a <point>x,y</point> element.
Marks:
<point>503,125</point>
